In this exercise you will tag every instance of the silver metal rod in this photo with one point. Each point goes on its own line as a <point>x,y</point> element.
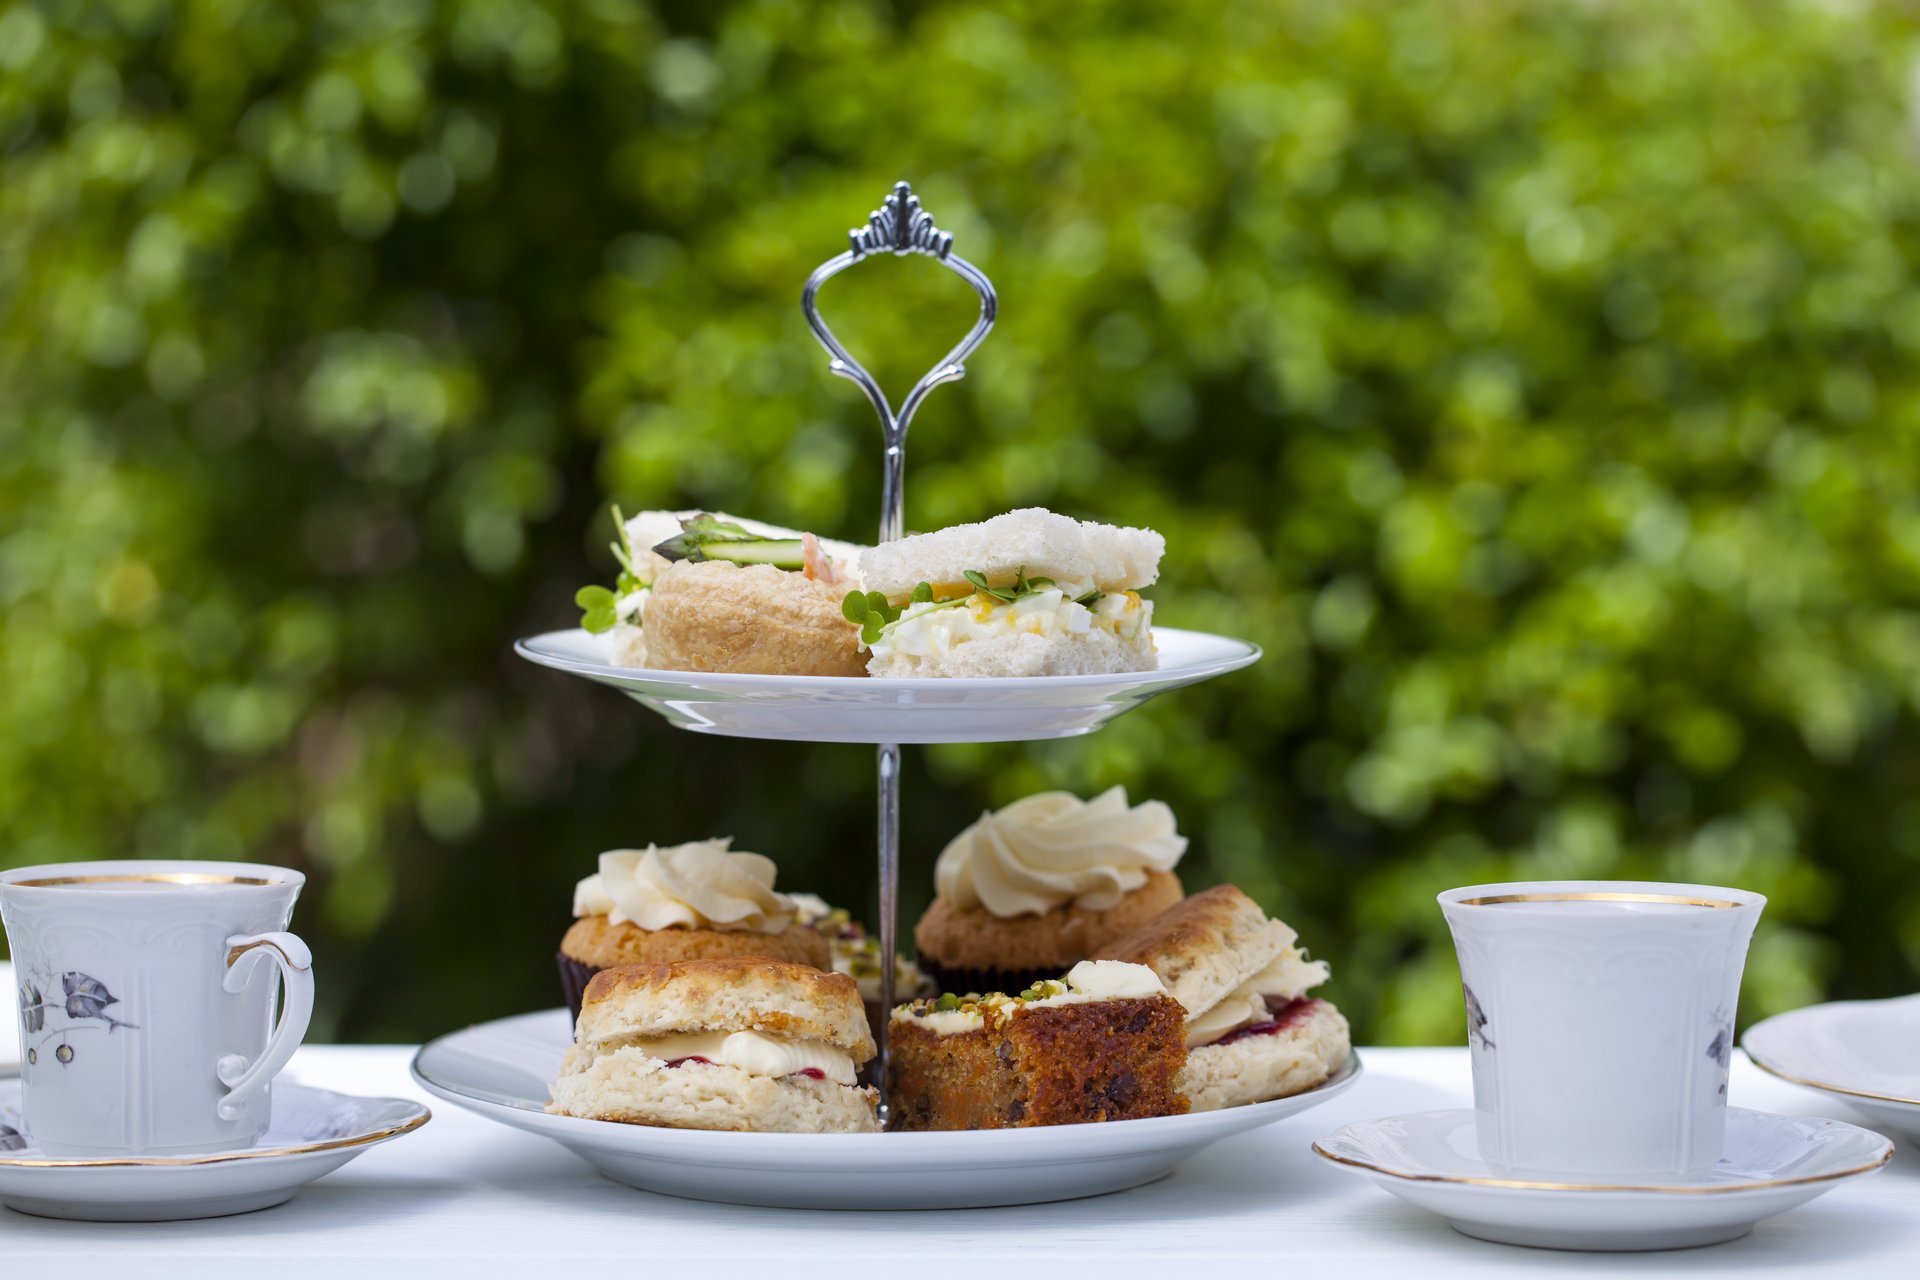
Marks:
<point>889,757</point>
<point>899,226</point>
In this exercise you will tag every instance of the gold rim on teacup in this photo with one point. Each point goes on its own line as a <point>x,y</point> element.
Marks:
<point>1668,1189</point>
<point>1664,899</point>
<point>178,877</point>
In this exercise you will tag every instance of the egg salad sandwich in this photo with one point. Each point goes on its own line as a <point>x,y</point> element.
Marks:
<point>1253,1031</point>
<point>707,591</point>
<point>1028,593</point>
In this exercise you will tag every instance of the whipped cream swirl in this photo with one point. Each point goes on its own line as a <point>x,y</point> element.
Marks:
<point>699,885</point>
<point>1053,848</point>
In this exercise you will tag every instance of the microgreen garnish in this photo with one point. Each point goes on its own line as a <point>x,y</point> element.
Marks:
<point>630,579</point>
<point>1022,586</point>
<point>597,609</point>
<point>870,611</point>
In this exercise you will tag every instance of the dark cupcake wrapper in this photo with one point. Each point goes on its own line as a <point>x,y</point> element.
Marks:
<point>574,977</point>
<point>960,981</point>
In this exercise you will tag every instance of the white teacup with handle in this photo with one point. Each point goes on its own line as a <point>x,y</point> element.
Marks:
<point>146,1002</point>
<point>1600,1023</point>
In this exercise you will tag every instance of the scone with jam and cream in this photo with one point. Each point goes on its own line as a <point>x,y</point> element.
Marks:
<point>689,901</point>
<point>1252,1031</point>
<point>745,1045</point>
<point>1029,891</point>
<point>1105,1043</point>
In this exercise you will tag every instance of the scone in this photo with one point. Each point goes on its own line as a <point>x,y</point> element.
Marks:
<point>686,902</point>
<point>749,1045</point>
<point>1031,890</point>
<point>1106,1043</point>
<point>1252,1032</point>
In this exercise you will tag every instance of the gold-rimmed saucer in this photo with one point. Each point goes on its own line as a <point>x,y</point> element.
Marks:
<point>314,1132</point>
<point>1859,1052</point>
<point>1772,1164</point>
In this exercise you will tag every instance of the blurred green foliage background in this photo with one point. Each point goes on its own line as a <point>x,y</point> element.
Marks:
<point>1535,381</point>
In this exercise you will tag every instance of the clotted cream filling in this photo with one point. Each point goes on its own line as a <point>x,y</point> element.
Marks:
<point>1289,976</point>
<point>753,1052</point>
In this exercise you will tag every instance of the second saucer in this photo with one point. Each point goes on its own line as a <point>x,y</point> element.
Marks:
<point>1770,1164</point>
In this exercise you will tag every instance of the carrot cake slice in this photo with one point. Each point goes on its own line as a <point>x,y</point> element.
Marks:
<point>1105,1043</point>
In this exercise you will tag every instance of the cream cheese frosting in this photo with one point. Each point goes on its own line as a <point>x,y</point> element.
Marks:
<point>753,1052</point>
<point>698,885</point>
<point>1085,983</point>
<point>1092,980</point>
<point>1053,848</point>
<point>1290,976</point>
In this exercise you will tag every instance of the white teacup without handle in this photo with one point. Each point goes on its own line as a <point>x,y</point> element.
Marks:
<point>146,996</point>
<point>1600,1023</point>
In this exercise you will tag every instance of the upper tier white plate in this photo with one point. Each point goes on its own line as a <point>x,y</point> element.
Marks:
<point>1771,1163</point>
<point>855,709</point>
<point>500,1070</point>
<point>1864,1052</point>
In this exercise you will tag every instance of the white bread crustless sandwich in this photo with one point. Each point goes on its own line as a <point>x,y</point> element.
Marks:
<point>701,591</point>
<point>1253,1032</point>
<point>749,1045</point>
<point>1028,593</point>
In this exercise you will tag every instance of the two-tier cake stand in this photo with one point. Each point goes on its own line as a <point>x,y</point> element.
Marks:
<point>502,1068</point>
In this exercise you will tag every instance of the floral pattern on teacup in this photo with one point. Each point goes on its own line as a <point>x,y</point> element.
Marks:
<point>83,1003</point>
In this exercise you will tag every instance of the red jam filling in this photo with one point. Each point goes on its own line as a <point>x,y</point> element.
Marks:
<point>1286,1015</point>
<point>811,1073</point>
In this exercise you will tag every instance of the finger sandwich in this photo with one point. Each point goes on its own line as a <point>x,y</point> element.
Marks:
<point>707,591</point>
<point>747,1045</point>
<point>1252,1031</point>
<point>1028,593</point>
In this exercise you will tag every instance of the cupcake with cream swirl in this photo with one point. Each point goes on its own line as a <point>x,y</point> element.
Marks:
<point>1030,890</point>
<point>694,901</point>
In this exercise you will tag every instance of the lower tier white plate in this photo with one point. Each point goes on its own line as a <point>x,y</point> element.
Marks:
<point>856,709</point>
<point>314,1132</point>
<point>501,1069</point>
<point>1772,1163</point>
<point>1865,1053</point>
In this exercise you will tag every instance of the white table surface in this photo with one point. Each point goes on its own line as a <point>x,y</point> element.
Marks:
<point>464,1197</point>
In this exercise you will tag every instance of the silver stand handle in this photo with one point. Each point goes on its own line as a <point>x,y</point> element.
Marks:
<point>899,226</point>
